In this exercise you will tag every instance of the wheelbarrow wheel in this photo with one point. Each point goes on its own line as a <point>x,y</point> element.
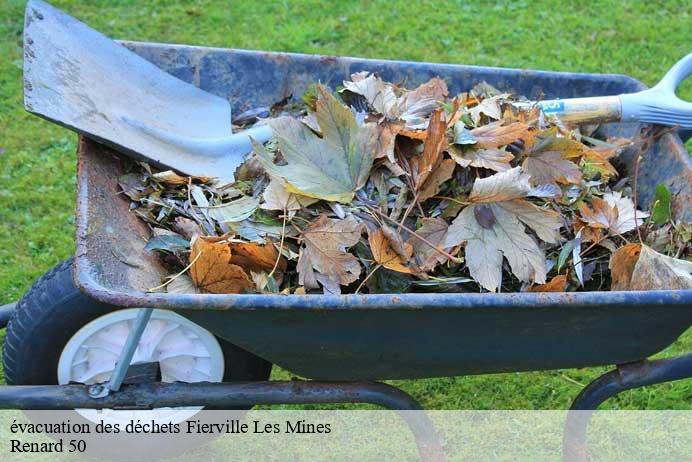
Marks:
<point>53,319</point>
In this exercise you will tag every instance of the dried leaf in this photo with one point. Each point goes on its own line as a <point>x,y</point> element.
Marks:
<point>493,159</point>
<point>639,267</point>
<point>182,284</point>
<point>596,161</point>
<point>550,167</point>
<point>503,186</point>
<point>556,284</point>
<point>493,227</point>
<point>614,213</point>
<point>134,186</point>
<point>276,197</point>
<point>412,107</point>
<point>378,94</point>
<point>622,263</point>
<point>485,247</point>
<point>489,107</point>
<point>432,150</point>
<point>186,227</point>
<point>325,243</point>
<point>212,270</point>
<point>170,243</point>
<point>386,137</point>
<point>432,184</point>
<point>169,177</point>
<point>433,230</point>
<point>384,255</point>
<point>494,135</point>
<point>332,167</point>
<point>544,222</point>
<point>256,257</point>
<point>237,210</point>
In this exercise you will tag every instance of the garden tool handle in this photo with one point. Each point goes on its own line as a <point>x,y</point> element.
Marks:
<point>657,105</point>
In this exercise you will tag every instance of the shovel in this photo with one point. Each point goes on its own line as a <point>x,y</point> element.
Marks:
<point>81,79</point>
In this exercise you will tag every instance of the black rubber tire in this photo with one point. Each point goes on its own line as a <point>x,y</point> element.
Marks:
<point>53,310</point>
<point>48,315</point>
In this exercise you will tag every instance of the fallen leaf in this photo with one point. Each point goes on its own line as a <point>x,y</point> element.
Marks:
<point>276,197</point>
<point>325,243</point>
<point>412,106</point>
<point>256,257</point>
<point>432,184</point>
<point>169,177</point>
<point>489,107</point>
<point>549,167</point>
<point>237,210</point>
<point>660,209</point>
<point>493,159</point>
<point>596,161</point>
<point>495,134</point>
<point>332,167</point>
<point>433,230</point>
<point>379,94</point>
<point>420,135</point>
<point>614,213</point>
<point>182,284</point>
<point>186,227</point>
<point>134,186</point>
<point>556,284</point>
<point>386,137</point>
<point>212,270</point>
<point>431,157</point>
<point>503,186</point>
<point>622,263</point>
<point>383,254</point>
<point>639,267</point>
<point>170,243</point>
<point>493,227</point>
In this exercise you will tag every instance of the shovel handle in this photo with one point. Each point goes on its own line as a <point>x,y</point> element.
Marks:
<point>595,109</point>
<point>658,105</point>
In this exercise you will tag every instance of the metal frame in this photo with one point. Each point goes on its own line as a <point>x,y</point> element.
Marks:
<point>116,395</point>
<point>624,377</point>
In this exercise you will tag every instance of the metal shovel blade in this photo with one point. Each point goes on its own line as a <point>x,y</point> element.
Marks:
<point>81,79</point>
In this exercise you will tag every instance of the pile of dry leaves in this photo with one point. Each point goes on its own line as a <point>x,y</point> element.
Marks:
<point>379,189</point>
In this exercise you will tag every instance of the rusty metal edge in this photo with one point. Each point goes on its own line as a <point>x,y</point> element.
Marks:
<point>280,55</point>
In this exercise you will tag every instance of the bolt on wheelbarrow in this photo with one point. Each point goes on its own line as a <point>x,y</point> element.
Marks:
<point>403,336</point>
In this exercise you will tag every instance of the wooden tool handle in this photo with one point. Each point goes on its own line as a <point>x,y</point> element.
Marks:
<point>596,109</point>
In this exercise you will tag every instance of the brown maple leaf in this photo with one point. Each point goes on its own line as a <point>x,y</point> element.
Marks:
<point>384,255</point>
<point>430,170</point>
<point>434,231</point>
<point>556,284</point>
<point>493,227</point>
<point>495,134</point>
<point>549,159</point>
<point>324,251</point>
<point>639,267</point>
<point>256,257</point>
<point>212,270</point>
<point>613,213</point>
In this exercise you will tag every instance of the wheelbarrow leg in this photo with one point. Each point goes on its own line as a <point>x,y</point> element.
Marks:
<point>624,377</point>
<point>233,394</point>
<point>128,351</point>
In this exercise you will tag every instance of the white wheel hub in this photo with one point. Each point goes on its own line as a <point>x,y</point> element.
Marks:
<point>185,351</point>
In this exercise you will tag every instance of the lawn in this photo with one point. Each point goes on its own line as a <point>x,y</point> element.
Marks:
<point>638,38</point>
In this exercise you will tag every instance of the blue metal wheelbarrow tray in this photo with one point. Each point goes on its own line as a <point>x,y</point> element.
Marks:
<point>365,337</point>
<point>344,343</point>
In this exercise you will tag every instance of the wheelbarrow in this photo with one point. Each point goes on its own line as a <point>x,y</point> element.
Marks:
<point>218,349</point>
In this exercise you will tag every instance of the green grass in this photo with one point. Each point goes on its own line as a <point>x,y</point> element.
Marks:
<point>638,38</point>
